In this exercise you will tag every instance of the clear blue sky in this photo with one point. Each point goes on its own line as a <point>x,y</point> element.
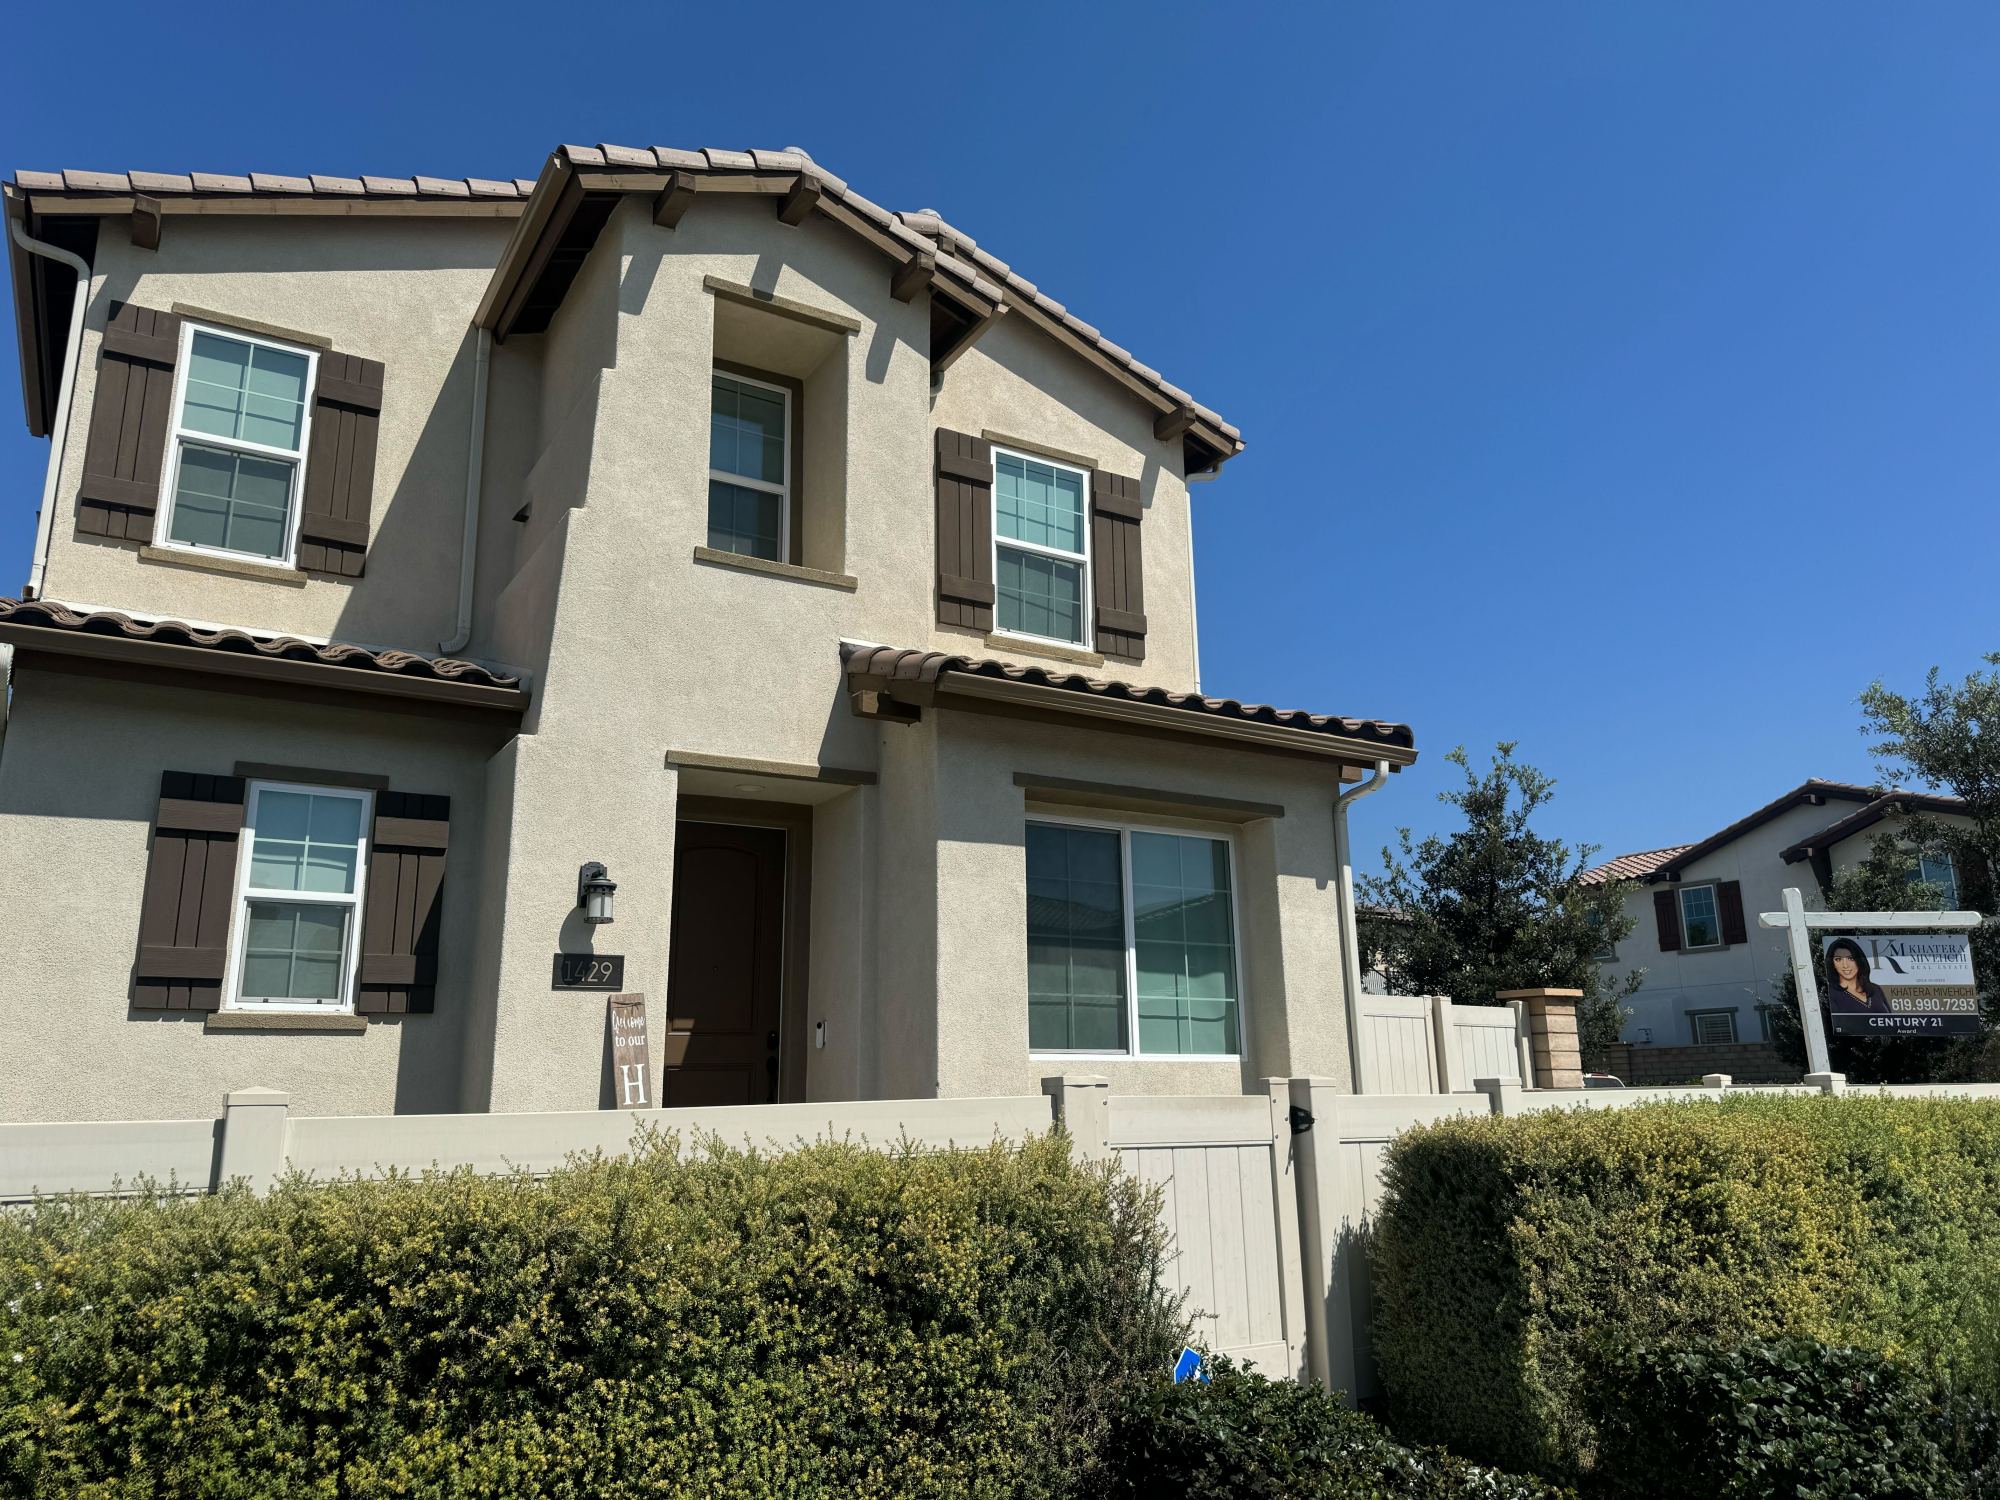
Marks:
<point>1619,378</point>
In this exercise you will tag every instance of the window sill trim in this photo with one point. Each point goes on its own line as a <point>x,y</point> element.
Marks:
<point>793,571</point>
<point>1234,1059</point>
<point>1026,645</point>
<point>208,562</point>
<point>345,1024</point>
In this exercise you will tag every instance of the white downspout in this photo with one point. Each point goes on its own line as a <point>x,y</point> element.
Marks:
<point>475,462</point>
<point>38,567</point>
<point>1194,620</point>
<point>1350,937</point>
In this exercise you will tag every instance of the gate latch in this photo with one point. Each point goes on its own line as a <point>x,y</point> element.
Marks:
<point>1301,1118</point>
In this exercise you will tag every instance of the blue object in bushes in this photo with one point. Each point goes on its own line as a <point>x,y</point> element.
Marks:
<point>1189,1367</point>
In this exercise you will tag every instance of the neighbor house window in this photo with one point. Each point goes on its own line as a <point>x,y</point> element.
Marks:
<point>1700,927</point>
<point>1712,1027</point>
<point>242,415</point>
<point>299,900</point>
<point>1041,555</point>
<point>1131,938</point>
<point>749,467</point>
<point>1938,870</point>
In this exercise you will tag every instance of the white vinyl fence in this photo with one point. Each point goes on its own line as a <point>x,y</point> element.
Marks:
<point>1424,1044</point>
<point>1267,1197</point>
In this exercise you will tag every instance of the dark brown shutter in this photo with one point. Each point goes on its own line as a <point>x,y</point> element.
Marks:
<point>402,905</point>
<point>340,465</point>
<point>1667,913</point>
<point>190,888</point>
<point>130,417</point>
<point>964,530</point>
<point>1729,905</point>
<point>1118,574</point>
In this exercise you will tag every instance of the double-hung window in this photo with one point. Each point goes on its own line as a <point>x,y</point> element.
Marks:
<point>298,902</point>
<point>749,467</point>
<point>1132,945</point>
<point>1701,927</point>
<point>242,417</point>
<point>1938,870</point>
<point>1041,548</point>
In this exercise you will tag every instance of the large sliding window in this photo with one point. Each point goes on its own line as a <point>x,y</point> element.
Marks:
<point>1041,549</point>
<point>241,424</point>
<point>1131,942</point>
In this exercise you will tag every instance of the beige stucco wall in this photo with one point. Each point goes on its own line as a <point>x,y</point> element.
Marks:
<point>398,290</point>
<point>79,785</point>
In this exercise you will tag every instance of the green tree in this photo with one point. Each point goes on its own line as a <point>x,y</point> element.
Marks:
<point>1496,906</point>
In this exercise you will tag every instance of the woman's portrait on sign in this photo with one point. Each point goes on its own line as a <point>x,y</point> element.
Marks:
<point>1849,990</point>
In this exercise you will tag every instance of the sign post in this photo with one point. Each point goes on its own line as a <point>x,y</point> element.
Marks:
<point>1799,924</point>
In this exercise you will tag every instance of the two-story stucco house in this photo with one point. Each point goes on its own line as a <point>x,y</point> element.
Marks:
<point>1710,970</point>
<point>412,547</point>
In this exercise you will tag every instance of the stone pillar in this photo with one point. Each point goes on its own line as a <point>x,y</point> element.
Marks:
<point>1552,1035</point>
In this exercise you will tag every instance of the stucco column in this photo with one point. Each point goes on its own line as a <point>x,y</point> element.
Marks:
<point>1552,1035</point>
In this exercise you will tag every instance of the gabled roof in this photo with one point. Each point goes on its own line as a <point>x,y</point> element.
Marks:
<point>1889,804</point>
<point>1812,793</point>
<point>912,679</point>
<point>41,625</point>
<point>1630,866</point>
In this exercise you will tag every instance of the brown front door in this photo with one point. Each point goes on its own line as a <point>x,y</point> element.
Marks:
<point>726,966</point>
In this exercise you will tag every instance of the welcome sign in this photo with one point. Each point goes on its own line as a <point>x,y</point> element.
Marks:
<point>1901,984</point>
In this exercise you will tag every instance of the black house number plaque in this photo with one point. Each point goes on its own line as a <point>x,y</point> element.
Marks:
<point>589,971</point>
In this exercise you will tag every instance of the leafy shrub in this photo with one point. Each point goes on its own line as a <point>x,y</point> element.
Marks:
<point>1243,1437</point>
<point>680,1323</point>
<point>1789,1418</point>
<point>1513,1255</point>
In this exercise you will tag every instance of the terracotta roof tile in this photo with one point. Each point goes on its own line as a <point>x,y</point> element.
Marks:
<point>162,182</point>
<point>896,664</point>
<point>219,182</point>
<point>722,160</point>
<point>629,156</point>
<point>345,187</point>
<point>271,182</point>
<point>390,187</point>
<point>674,156</point>
<point>317,185</point>
<point>48,615</point>
<point>1631,866</point>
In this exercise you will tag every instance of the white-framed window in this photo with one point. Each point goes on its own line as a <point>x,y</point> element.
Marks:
<point>1701,924</point>
<point>749,467</point>
<point>1712,1028</point>
<point>235,467</point>
<point>299,880</point>
<point>1041,548</point>
<point>1133,948</point>
<point>1940,871</point>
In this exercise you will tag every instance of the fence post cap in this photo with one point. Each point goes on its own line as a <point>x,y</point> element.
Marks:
<point>1716,1080</point>
<point>241,1097</point>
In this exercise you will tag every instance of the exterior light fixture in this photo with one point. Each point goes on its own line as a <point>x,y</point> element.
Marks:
<point>594,889</point>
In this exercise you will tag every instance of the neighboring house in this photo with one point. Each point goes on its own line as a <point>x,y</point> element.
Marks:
<point>1709,967</point>
<point>414,545</point>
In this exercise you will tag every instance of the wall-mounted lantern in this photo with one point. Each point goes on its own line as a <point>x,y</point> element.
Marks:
<point>594,890</point>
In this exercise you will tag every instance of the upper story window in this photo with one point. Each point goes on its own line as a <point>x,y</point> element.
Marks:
<point>1041,548</point>
<point>299,897</point>
<point>242,418</point>
<point>750,468</point>
<point>1938,870</point>
<point>1701,925</point>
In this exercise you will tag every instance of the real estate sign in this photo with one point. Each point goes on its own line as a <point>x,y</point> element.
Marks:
<point>1901,984</point>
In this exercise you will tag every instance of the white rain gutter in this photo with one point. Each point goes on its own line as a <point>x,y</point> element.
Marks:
<point>1350,937</point>
<point>475,462</point>
<point>59,429</point>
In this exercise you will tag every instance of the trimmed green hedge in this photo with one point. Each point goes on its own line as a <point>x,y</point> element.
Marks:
<point>1516,1260</point>
<point>684,1323</point>
<point>1242,1437</point>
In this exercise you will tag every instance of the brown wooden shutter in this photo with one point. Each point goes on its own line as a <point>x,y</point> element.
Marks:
<point>964,530</point>
<point>1667,913</point>
<point>340,465</point>
<point>190,889</point>
<point>130,417</point>
<point>1729,906</point>
<point>1118,574</point>
<point>402,905</point>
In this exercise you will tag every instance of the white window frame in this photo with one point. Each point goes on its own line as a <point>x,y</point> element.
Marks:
<point>239,918</point>
<point>1950,886</point>
<point>1089,617</point>
<point>1696,1017</point>
<point>179,436</point>
<point>1714,890</point>
<point>782,491</point>
<point>1125,828</point>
